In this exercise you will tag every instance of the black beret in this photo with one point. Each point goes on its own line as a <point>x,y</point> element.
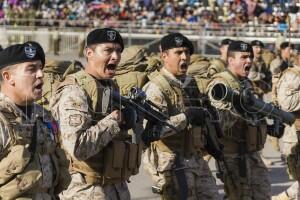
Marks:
<point>240,46</point>
<point>175,40</point>
<point>104,35</point>
<point>19,53</point>
<point>286,44</point>
<point>226,41</point>
<point>257,43</point>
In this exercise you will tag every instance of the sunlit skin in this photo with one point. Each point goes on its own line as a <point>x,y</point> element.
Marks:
<point>23,82</point>
<point>257,51</point>
<point>240,64</point>
<point>176,60</point>
<point>103,60</point>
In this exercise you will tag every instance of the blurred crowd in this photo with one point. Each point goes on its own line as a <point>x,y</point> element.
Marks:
<point>211,13</point>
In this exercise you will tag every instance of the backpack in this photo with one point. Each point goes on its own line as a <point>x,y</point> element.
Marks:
<point>198,68</point>
<point>134,68</point>
<point>54,73</point>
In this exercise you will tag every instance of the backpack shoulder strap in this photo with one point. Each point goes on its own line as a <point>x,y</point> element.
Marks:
<point>158,79</point>
<point>89,85</point>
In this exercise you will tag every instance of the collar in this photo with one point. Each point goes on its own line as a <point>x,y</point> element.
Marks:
<point>9,106</point>
<point>175,81</point>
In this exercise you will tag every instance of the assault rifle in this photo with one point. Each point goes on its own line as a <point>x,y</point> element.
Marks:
<point>136,99</point>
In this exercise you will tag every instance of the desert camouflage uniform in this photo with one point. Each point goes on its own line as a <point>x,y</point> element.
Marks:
<point>254,183</point>
<point>268,56</point>
<point>84,137</point>
<point>39,177</point>
<point>159,158</point>
<point>288,95</point>
<point>261,77</point>
<point>277,66</point>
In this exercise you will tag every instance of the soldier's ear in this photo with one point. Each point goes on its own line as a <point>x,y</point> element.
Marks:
<point>229,60</point>
<point>7,77</point>
<point>88,52</point>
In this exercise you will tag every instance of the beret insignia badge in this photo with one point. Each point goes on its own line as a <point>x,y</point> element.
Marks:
<point>178,41</point>
<point>244,47</point>
<point>30,51</point>
<point>111,35</point>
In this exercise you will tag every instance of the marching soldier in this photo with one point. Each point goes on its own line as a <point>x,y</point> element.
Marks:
<point>245,176</point>
<point>279,64</point>
<point>94,130</point>
<point>259,73</point>
<point>175,163</point>
<point>288,95</point>
<point>30,160</point>
<point>261,78</point>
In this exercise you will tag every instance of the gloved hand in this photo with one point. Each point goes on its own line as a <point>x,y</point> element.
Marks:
<point>151,133</point>
<point>195,115</point>
<point>129,118</point>
<point>276,132</point>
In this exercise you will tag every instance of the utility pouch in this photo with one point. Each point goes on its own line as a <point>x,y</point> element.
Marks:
<point>14,162</point>
<point>132,160</point>
<point>251,138</point>
<point>23,182</point>
<point>198,138</point>
<point>114,156</point>
<point>262,137</point>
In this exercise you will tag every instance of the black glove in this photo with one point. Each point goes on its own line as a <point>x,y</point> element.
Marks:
<point>276,132</point>
<point>195,115</point>
<point>151,133</point>
<point>129,118</point>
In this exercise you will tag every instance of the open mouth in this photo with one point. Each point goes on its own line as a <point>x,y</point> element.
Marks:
<point>39,86</point>
<point>247,68</point>
<point>111,67</point>
<point>184,66</point>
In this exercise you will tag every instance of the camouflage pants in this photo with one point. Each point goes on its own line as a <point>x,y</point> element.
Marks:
<point>254,185</point>
<point>199,180</point>
<point>79,190</point>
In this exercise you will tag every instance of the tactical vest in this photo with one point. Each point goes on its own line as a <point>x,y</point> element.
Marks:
<point>119,159</point>
<point>241,134</point>
<point>191,140</point>
<point>21,166</point>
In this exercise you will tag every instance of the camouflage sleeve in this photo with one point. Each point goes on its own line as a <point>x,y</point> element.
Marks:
<point>4,136</point>
<point>227,116</point>
<point>156,96</point>
<point>80,138</point>
<point>275,66</point>
<point>255,74</point>
<point>288,92</point>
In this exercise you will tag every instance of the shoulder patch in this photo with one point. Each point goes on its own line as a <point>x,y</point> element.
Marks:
<point>75,120</point>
